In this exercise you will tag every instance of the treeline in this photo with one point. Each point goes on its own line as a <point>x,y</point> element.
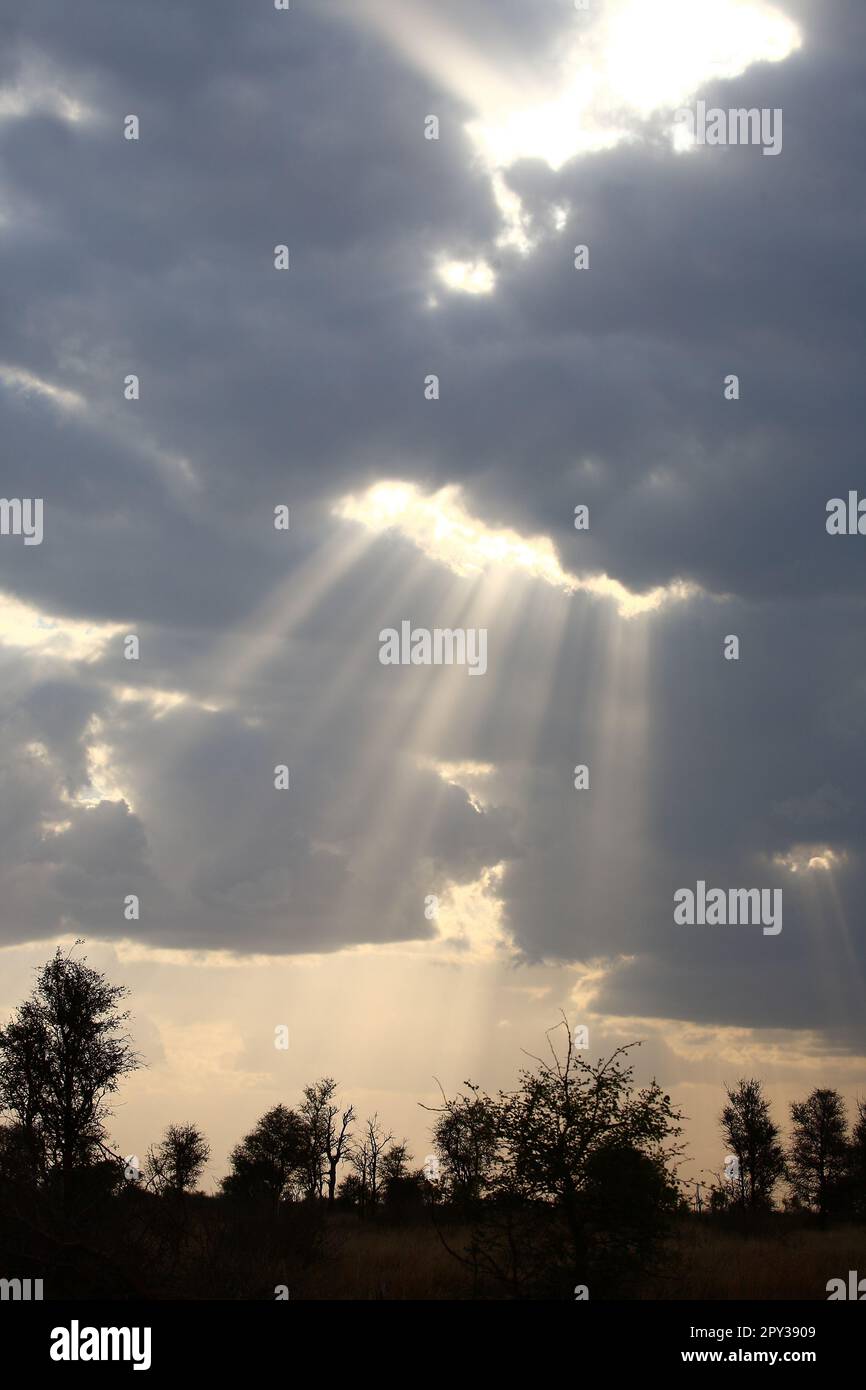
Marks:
<point>566,1182</point>
<point>823,1166</point>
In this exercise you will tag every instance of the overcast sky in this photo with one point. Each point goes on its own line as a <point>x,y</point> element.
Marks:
<point>307,387</point>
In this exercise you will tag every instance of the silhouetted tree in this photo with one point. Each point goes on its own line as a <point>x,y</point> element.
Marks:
<point>21,1156</point>
<point>720,1198</point>
<point>627,1199</point>
<point>367,1159</point>
<point>466,1140</point>
<point>569,1129</point>
<point>577,1186</point>
<point>753,1137</point>
<point>62,1055</point>
<point>328,1132</point>
<point>352,1192</point>
<point>271,1157</point>
<point>404,1188</point>
<point>857,1163</point>
<point>177,1162</point>
<point>819,1152</point>
<point>395,1162</point>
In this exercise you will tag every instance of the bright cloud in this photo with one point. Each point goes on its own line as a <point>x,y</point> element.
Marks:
<point>441,527</point>
<point>810,858</point>
<point>467,277</point>
<point>28,384</point>
<point>22,625</point>
<point>614,66</point>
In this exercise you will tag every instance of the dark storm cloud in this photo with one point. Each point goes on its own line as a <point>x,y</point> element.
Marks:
<point>735,773</point>
<point>155,257</point>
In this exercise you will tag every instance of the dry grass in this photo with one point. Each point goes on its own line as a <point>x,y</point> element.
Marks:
<point>206,1250</point>
<point>372,1261</point>
<point>790,1262</point>
<point>787,1261</point>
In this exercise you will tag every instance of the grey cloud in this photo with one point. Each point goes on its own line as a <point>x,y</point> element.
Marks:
<point>602,387</point>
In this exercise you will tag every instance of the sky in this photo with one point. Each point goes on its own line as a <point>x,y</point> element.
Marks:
<point>431,387</point>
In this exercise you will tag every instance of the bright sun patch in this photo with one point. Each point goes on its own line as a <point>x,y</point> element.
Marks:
<point>804,859</point>
<point>613,66</point>
<point>634,59</point>
<point>466,277</point>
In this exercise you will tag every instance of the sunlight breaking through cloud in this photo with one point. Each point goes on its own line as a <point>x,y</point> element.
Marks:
<point>612,67</point>
<point>440,526</point>
<point>466,277</point>
<point>635,59</point>
<point>22,625</point>
<point>810,858</point>
<point>465,775</point>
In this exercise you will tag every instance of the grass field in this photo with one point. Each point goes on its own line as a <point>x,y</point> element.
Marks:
<point>206,1249</point>
<point>704,1261</point>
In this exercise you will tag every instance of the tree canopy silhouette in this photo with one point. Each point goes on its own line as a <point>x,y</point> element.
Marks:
<point>176,1163</point>
<point>819,1155</point>
<point>754,1140</point>
<point>62,1056</point>
<point>268,1161</point>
